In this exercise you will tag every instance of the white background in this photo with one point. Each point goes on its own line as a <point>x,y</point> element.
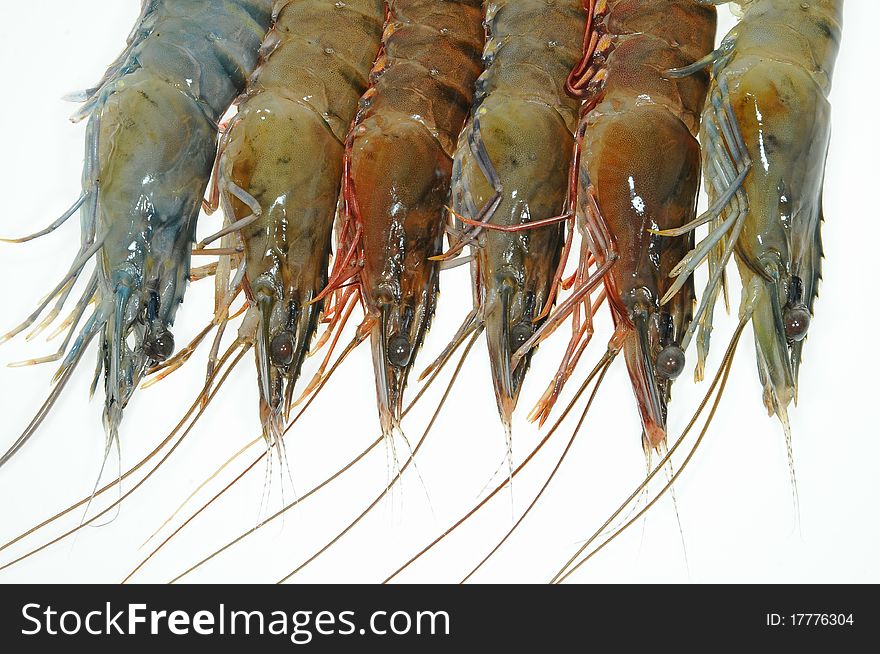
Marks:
<point>734,501</point>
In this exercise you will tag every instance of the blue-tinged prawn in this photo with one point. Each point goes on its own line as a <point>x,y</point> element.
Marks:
<point>150,146</point>
<point>765,136</point>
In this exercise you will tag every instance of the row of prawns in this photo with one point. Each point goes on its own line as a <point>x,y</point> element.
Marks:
<point>508,126</point>
<point>651,82</point>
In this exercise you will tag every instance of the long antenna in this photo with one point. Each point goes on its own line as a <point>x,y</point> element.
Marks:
<point>721,376</point>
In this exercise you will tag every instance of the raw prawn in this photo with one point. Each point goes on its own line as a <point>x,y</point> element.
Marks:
<point>397,177</point>
<point>639,174</point>
<point>765,134</point>
<point>279,177</point>
<point>150,145</point>
<point>510,179</point>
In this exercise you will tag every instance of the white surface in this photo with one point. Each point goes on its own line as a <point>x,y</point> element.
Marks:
<point>735,500</point>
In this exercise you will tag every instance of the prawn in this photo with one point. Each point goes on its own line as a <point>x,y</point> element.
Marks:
<point>150,145</point>
<point>510,180</point>
<point>765,134</point>
<point>279,176</point>
<point>398,167</point>
<point>639,174</point>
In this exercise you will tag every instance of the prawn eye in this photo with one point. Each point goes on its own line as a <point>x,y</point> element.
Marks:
<point>160,347</point>
<point>796,321</point>
<point>670,362</point>
<point>281,350</point>
<point>520,333</point>
<point>399,350</point>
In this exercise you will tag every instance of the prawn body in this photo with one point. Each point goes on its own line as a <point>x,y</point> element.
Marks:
<point>764,135</point>
<point>399,166</point>
<point>151,139</point>
<point>511,170</point>
<point>768,118</point>
<point>280,171</point>
<point>640,172</point>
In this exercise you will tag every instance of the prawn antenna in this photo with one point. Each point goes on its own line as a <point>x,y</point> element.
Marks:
<point>719,382</point>
<point>121,478</point>
<point>43,411</point>
<point>399,474</point>
<point>602,365</point>
<point>143,480</point>
<point>247,470</point>
<point>601,368</point>
<point>286,508</point>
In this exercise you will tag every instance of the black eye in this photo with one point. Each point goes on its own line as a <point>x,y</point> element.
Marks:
<point>160,347</point>
<point>797,322</point>
<point>281,349</point>
<point>670,362</point>
<point>399,350</point>
<point>520,333</point>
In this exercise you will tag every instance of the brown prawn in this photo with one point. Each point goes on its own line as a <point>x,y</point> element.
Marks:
<point>639,171</point>
<point>511,179</point>
<point>397,176</point>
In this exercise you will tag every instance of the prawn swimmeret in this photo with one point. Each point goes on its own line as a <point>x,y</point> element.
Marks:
<point>150,146</point>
